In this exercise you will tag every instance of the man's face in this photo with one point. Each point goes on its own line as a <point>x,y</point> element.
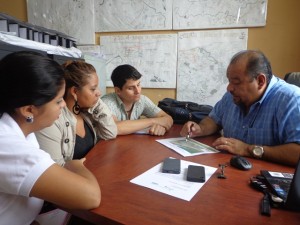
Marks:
<point>130,92</point>
<point>244,89</point>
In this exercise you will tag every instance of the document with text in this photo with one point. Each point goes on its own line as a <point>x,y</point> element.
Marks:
<point>187,147</point>
<point>175,185</point>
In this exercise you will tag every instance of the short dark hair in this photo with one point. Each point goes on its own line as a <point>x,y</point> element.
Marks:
<point>28,78</point>
<point>123,73</point>
<point>257,63</point>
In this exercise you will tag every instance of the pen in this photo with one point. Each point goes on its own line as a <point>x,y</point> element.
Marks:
<point>189,133</point>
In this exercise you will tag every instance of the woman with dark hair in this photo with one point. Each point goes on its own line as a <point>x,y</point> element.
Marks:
<point>85,119</point>
<point>31,98</point>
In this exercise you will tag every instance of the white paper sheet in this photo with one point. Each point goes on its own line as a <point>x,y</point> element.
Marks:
<point>175,185</point>
<point>187,148</point>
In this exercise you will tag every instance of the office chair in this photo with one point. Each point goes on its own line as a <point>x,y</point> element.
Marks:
<point>293,78</point>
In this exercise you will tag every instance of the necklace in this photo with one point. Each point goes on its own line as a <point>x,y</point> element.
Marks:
<point>129,111</point>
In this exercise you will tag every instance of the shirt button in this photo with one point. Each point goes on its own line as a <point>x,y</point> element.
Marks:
<point>67,124</point>
<point>67,140</point>
<point>95,111</point>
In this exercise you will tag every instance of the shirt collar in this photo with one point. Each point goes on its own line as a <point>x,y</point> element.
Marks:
<point>13,125</point>
<point>119,101</point>
<point>273,81</point>
<point>269,87</point>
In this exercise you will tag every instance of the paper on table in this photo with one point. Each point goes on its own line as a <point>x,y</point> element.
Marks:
<point>175,185</point>
<point>187,148</point>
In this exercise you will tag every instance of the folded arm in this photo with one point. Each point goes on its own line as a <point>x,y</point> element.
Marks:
<point>105,125</point>
<point>157,125</point>
<point>72,186</point>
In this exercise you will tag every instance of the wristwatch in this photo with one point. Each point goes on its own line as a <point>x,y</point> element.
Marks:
<point>258,151</point>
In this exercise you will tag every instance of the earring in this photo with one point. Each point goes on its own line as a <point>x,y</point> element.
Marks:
<point>76,108</point>
<point>29,119</point>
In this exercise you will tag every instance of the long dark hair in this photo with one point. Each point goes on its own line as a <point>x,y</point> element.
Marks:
<point>28,78</point>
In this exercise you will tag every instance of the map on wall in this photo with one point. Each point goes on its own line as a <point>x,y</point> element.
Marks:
<point>74,18</point>
<point>133,15</point>
<point>154,56</point>
<point>91,54</point>
<point>203,57</point>
<point>201,14</point>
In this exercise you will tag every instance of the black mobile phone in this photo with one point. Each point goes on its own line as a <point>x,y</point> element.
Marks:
<point>171,165</point>
<point>196,174</point>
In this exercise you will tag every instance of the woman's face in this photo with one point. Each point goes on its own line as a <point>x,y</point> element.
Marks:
<point>46,114</point>
<point>88,95</point>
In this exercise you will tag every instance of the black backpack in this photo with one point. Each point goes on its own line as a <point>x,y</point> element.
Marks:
<point>183,111</point>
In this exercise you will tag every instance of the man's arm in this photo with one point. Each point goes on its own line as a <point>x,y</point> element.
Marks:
<point>287,154</point>
<point>207,126</point>
<point>163,119</point>
<point>157,125</point>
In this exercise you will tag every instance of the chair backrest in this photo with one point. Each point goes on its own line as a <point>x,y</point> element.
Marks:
<point>293,78</point>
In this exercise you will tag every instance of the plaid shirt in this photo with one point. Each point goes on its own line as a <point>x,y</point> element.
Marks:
<point>143,107</point>
<point>273,120</point>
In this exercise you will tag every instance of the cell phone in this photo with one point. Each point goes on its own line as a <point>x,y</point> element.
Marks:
<point>196,174</point>
<point>171,165</point>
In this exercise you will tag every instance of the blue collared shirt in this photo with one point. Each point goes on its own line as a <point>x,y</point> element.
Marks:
<point>273,120</point>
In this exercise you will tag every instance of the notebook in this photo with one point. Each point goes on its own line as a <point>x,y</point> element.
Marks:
<point>286,186</point>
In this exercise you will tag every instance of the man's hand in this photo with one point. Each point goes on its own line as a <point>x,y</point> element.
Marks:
<point>191,128</point>
<point>157,130</point>
<point>232,145</point>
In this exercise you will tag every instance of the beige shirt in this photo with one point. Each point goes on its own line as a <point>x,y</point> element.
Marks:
<point>143,107</point>
<point>59,139</point>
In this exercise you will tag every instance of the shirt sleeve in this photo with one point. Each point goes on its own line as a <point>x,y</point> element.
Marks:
<point>111,102</point>
<point>287,113</point>
<point>217,112</point>
<point>103,121</point>
<point>50,140</point>
<point>150,109</point>
<point>21,165</point>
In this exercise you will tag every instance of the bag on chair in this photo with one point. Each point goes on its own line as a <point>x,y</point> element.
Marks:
<point>183,111</point>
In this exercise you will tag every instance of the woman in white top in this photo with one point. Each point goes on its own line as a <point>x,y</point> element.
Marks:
<point>31,98</point>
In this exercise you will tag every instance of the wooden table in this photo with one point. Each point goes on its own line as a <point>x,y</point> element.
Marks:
<point>220,201</point>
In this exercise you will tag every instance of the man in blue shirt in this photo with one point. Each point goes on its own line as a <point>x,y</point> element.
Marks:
<point>259,114</point>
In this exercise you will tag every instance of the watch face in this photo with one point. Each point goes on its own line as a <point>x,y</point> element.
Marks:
<point>258,151</point>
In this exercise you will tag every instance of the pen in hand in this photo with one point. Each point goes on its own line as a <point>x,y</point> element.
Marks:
<point>189,133</point>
